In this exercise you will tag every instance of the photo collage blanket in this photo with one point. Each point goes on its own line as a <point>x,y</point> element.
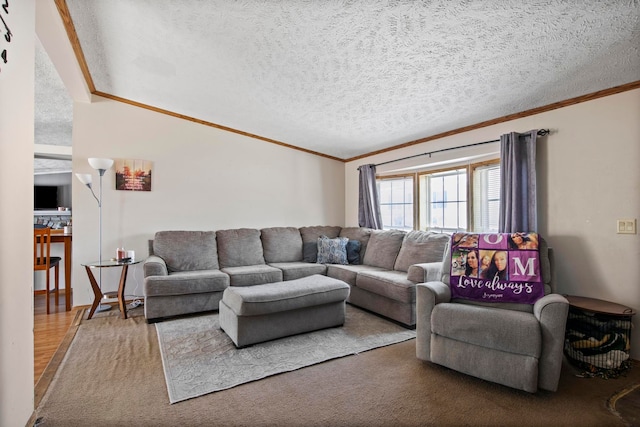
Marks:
<point>499,267</point>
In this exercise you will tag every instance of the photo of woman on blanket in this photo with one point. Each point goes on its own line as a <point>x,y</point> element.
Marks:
<point>523,241</point>
<point>498,266</point>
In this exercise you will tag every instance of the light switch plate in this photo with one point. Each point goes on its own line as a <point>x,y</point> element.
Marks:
<point>626,226</point>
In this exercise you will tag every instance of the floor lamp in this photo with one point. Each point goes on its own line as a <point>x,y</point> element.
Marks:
<point>101,165</point>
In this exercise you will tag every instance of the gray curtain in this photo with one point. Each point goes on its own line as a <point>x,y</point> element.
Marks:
<point>368,203</point>
<point>518,199</point>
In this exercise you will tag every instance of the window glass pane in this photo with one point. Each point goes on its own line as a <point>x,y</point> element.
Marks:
<point>408,216</point>
<point>462,187</point>
<point>384,191</point>
<point>462,216</point>
<point>397,191</point>
<point>437,215</point>
<point>408,193</point>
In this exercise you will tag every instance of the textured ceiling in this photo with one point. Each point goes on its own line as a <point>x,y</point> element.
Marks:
<point>53,112</point>
<point>346,78</point>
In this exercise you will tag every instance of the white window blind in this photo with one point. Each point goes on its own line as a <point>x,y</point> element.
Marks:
<point>486,198</point>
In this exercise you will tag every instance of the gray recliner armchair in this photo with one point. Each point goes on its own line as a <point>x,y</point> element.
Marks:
<point>517,345</point>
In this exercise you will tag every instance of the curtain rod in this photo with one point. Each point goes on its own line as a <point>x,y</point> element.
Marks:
<point>541,132</point>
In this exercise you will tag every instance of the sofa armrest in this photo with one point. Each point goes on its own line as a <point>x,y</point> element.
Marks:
<point>154,266</point>
<point>424,272</point>
<point>551,311</point>
<point>427,296</point>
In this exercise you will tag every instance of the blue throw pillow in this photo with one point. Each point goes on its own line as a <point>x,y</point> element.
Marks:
<point>353,251</point>
<point>332,251</point>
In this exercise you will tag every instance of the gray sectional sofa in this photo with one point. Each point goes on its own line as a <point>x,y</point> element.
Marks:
<point>188,271</point>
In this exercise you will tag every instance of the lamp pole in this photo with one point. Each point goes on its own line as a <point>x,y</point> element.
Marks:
<point>100,306</point>
<point>101,165</point>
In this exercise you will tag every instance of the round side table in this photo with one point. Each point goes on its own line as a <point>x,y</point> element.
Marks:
<point>97,292</point>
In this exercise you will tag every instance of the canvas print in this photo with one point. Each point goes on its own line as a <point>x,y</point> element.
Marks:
<point>133,175</point>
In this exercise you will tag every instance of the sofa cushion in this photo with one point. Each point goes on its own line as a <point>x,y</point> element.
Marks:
<point>249,275</point>
<point>239,247</point>
<point>187,250</point>
<point>332,251</point>
<point>297,270</point>
<point>281,244</point>
<point>383,248</point>
<point>186,282</point>
<point>348,273</point>
<point>420,247</point>
<point>391,284</point>
<point>485,327</point>
<point>310,239</point>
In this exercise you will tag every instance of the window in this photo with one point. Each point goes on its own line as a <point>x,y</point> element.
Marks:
<point>396,202</point>
<point>444,198</point>
<point>449,200</point>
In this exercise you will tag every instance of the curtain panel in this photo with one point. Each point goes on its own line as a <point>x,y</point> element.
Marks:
<point>518,192</point>
<point>368,201</point>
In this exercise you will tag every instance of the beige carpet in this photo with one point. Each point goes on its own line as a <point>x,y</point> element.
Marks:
<point>199,358</point>
<point>112,376</point>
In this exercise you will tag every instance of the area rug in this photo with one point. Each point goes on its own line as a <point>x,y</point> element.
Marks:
<point>199,358</point>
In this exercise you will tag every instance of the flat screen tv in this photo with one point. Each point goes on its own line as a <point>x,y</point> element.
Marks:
<point>45,197</point>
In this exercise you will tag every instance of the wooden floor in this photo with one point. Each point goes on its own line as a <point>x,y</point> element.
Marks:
<point>49,330</point>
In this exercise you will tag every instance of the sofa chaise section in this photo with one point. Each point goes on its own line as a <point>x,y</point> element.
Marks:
<point>393,263</point>
<point>182,274</point>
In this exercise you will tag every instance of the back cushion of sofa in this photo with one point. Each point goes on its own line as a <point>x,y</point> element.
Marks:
<point>281,244</point>
<point>187,250</point>
<point>310,239</point>
<point>420,246</point>
<point>383,248</point>
<point>239,247</point>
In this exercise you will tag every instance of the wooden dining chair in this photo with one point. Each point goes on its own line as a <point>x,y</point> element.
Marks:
<point>42,259</point>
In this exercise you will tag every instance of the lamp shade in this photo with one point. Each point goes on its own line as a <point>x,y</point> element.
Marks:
<point>100,164</point>
<point>84,178</point>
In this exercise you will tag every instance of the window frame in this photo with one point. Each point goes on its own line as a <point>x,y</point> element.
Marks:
<point>425,205</point>
<point>414,195</point>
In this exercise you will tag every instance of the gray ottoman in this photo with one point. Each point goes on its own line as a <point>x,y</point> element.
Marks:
<point>253,314</point>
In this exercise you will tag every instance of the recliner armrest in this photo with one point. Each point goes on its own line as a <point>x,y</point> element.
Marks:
<point>154,266</point>
<point>427,296</point>
<point>551,311</point>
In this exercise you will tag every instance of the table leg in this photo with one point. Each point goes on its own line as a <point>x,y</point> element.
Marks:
<point>67,275</point>
<point>97,293</point>
<point>123,281</point>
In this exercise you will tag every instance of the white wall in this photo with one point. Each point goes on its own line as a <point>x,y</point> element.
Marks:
<point>16,215</point>
<point>202,179</point>
<point>588,177</point>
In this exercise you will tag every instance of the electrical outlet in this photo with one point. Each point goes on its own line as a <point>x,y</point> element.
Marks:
<point>626,226</point>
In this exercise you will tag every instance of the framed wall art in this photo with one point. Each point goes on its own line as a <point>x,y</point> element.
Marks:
<point>133,174</point>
